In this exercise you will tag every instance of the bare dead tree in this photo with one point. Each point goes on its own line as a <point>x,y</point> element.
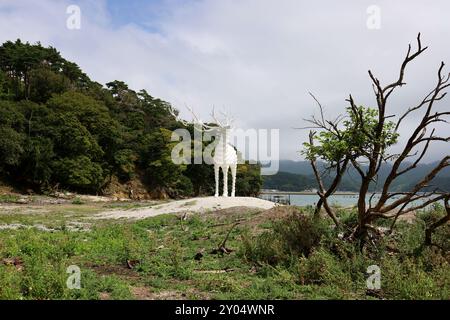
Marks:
<point>367,157</point>
<point>418,138</point>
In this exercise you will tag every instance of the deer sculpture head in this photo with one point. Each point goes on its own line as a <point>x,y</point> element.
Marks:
<point>220,125</point>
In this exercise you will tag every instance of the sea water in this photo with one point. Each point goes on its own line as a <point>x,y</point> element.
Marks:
<point>342,200</point>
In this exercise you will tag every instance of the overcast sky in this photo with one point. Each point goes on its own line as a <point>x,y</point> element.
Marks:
<point>255,58</point>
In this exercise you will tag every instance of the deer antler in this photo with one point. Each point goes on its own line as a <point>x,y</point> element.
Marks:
<point>196,120</point>
<point>228,119</point>
<point>213,115</point>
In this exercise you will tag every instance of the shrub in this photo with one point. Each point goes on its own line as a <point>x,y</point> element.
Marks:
<point>300,233</point>
<point>266,248</point>
<point>294,236</point>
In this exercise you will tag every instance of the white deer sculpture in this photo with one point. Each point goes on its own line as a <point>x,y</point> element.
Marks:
<point>225,155</point>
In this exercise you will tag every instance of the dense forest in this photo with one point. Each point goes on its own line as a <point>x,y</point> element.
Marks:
<point>60,130</point>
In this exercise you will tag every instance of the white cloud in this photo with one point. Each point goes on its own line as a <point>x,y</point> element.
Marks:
<point>257,58</point>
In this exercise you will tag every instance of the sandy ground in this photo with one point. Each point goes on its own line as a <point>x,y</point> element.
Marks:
<point>199,205</point>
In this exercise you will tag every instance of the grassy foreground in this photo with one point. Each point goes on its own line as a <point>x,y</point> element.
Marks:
<point>277,254</point>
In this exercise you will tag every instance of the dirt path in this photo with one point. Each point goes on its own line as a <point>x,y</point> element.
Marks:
<point>201,205</point>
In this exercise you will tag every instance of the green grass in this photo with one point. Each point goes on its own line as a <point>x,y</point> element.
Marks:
<point>267,265</point>
<point>77,200</point>
<point>190,203</point>
<point>8,198</point>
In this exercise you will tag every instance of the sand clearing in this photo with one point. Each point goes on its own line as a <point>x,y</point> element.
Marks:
<point>188,205</point>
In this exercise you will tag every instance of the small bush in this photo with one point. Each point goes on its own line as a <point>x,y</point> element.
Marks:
<point>294,236</point>
<point>300,233</point>
<point>267,248</point>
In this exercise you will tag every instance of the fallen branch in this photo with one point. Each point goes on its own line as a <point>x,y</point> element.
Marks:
<point>222,246</point>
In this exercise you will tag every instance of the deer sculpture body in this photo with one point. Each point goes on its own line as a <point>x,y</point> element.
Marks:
<point>225,156</point>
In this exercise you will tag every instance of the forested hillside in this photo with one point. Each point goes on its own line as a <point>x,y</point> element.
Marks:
<point>59,130</point>
<point>298,176</point>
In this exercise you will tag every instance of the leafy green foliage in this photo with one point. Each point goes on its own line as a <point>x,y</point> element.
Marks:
<point>161,171</point>
<point>340,142</point>
<point>248,180</point>
<point>11,137</point>
<point>298,234</point>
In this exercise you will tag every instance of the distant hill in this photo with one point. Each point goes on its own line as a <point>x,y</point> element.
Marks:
<point>286,181</point>
<point>298,175</point>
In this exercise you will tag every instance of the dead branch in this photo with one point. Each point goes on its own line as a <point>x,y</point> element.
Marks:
<point>323,195</point>
<point>221,248</point>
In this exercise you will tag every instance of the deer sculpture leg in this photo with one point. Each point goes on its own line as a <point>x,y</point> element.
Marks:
<point>216,174</point>
<point>233,175</point>
<point>225,180</point>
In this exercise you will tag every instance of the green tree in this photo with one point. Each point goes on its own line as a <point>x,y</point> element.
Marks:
<point>163,176</point>
<point>44,83</point>
<point>79,172</point>
<point>248,180</point>
<point>12,137</point>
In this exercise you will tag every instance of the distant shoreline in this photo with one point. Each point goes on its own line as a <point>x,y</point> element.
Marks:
<point>308,193</point>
